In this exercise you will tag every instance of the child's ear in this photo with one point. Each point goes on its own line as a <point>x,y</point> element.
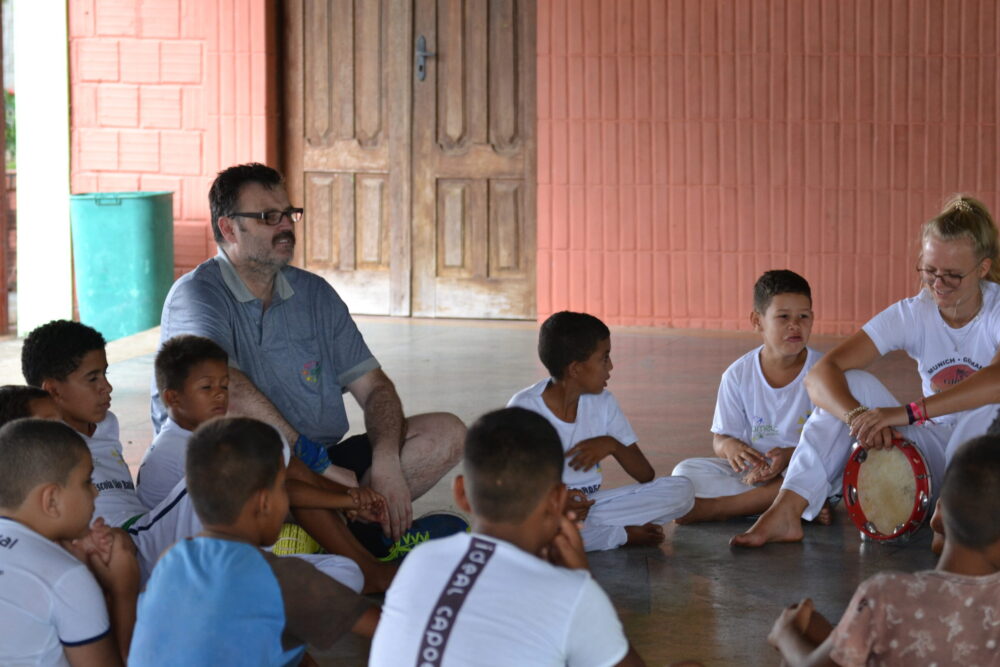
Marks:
<point>557,499</point>
<point>755,320</point>
<point>170,397</point>
<point>458,490</point>
<point>51,497</point>
<point>262,503</point>
<point>51,386</point>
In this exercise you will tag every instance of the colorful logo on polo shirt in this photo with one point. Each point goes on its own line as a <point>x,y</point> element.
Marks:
<point>310,371</point>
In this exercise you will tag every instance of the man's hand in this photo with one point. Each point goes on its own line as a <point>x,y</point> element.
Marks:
<point>387,479</point>
<point>742,456</point>
<point>578,503</point>
<point>585,454</point>
<point>566,548</point>
<point>778,458</point>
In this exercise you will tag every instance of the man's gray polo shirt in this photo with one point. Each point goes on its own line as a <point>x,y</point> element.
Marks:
<point>301,352</point>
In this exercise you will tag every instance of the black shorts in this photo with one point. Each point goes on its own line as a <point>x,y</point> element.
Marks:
<point>354,453</point>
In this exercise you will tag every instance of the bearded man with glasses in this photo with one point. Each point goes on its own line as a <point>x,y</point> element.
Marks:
<point>294,350</point>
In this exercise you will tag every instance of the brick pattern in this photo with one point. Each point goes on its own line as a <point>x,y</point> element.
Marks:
<point>164,94</point>
<point>685,147</point>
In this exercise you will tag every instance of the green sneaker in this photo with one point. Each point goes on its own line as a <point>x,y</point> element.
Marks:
<point>428,527</point>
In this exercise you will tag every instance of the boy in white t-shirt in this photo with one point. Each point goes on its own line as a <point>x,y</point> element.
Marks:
<point>761,407</point>
<point>576,350</point>
<point>53,607</point>
<point>516,591</point>
<point>67,359</point>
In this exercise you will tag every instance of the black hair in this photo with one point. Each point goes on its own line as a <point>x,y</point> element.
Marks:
<point>54,350</point>
<point>779,281</point>
<point>512,458</point>
<point>15,401</point>
<point>225,191</point>
<point>228,460</point>
<point>179,355</point>
<point>33,452</point>
<point>566,337</point>
<point>971,483</point>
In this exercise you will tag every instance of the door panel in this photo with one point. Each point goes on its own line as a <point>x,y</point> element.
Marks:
<point>473,161</point>
<point>419,195</point>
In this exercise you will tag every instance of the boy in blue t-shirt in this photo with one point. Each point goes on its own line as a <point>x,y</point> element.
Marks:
<point>218,598</point>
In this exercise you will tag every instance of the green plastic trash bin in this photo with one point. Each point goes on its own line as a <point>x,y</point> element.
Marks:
<point>123,256</point>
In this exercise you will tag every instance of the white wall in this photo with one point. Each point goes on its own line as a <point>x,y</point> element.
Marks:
<point>41,69</point>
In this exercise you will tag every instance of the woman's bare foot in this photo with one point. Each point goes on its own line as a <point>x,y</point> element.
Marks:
<point>646,535</point>
<point>780,523</point>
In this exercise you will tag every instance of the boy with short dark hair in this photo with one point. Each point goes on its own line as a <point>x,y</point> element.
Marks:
<point>67,359</point>
<point>52,609</point>
<point>516,591</point>
<point>945,616</point>
<point>217,599</point>
<point>761,407</point>
<point>576,350</point>
<point>192,376</point>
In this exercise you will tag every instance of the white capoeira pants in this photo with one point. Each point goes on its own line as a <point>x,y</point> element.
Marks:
<point>825,445</point>
<point>174,519</point>
<point>712,477</point>
<point>715,478</point>
<point>660,501</point>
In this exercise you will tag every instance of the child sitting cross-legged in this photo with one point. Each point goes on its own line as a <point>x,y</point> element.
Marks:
<point>516,591</point>
<point>576,350</point>
<point>946,616</point>
<point>53,607</point>
<point>218,598</point>
<point>192,377</point>
<point>761,407</point>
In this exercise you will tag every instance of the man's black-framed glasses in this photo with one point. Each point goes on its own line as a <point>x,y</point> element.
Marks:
<point>272,218</point>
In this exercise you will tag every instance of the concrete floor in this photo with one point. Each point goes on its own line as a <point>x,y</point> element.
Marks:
<point>692,598</point>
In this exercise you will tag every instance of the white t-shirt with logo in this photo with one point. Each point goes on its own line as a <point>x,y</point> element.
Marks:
<point>751,410</point>
<point>596,415</point>
<point>48,599</point>
<point>117,501</point>
<point>519,610</point>
<point>944,356</point>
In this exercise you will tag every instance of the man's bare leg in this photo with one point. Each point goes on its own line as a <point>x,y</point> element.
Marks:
<point>753,501</point>
<point>433,446</point>
<point>327,528</point>
<point>782,522</point>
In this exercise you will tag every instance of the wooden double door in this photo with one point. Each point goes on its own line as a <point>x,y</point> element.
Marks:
<point>410,140</point>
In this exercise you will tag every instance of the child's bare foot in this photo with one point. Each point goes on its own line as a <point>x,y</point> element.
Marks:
<point>378,576</point>
<point>780,523</point>
<point>825,516</point>
<point>646,535</point>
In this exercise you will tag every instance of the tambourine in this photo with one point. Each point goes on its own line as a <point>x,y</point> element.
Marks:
<point>887,491</point>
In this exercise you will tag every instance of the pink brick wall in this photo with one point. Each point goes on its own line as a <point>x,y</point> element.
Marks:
<point>164,94</point>
<point>685,147</point>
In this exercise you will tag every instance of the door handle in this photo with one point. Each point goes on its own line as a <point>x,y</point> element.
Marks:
<point>422,54</point>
